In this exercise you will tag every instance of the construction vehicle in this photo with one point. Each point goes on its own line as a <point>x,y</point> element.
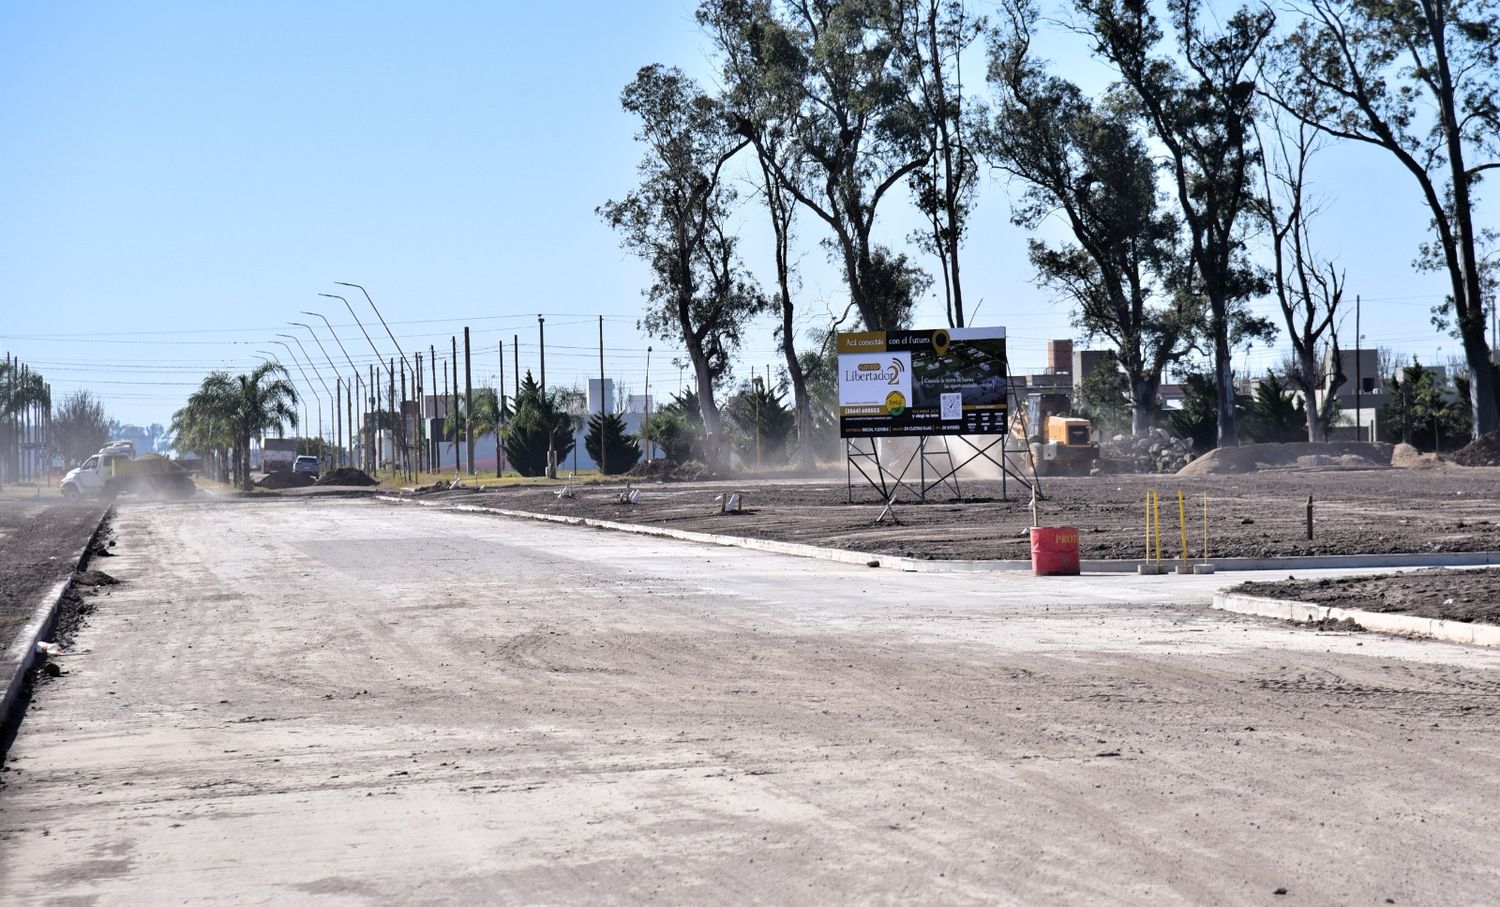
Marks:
<point>112,471</point>
<point>1060,443</point>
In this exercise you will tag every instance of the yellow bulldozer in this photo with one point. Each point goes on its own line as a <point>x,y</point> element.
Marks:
<point>1060,443</point>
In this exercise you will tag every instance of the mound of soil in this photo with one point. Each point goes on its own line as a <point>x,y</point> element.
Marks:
<point>1407,457</point>
<point>1482,451</point>
<point>1292,455</point>
<point>347,475</point>
<point>284,479</point>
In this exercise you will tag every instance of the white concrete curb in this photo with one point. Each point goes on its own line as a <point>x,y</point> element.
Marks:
<point>1397,624</point>
<point>21,654</point>
<point>919,565</point>
<point>19,658</point>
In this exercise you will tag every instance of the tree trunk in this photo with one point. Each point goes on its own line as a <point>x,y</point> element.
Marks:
<point>1224,370</point>
<point>806,456</point>
<point>1307,365</point>
<point>1143,405</point>
<point>1468,295</point>
<point>713,440</point>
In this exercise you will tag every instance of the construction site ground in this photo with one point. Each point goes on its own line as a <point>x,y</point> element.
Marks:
<point>40,540</point>
<point>1263,514</point>
<point>319,700</point>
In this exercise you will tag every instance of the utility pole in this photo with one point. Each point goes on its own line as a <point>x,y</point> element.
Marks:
<point>1359,388</point>
<point>435,456</point>
<point>338,420</point>
<point>500,411</point>
<point>515,356</point>
<point>541,333</point>
<point>349,405</point>
<point>458,452</point>
<point>373,448</point>
<point>646,422</point>
<point>416,389</point>
<point>603,450</point>
<point>405,448</point>
<point>468,401</point>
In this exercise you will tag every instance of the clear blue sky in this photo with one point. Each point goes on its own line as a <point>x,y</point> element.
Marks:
<point>178,180</point>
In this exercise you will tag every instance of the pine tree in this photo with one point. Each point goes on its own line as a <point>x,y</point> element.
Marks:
<point>622,449</point>
<point>537,413</point>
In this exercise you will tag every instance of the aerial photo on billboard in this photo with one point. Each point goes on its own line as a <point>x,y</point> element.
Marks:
<point>944,381</point>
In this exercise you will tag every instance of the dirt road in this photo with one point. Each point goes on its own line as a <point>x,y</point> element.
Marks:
<point>342,702</point>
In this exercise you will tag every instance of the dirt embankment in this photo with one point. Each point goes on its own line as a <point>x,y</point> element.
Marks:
<point>1482,451</point>
<point>1296,454</point>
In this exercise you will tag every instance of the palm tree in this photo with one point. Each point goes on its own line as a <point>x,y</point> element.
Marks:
<point>20,388</point>
<point>226,412</point>
<point>488,416</point>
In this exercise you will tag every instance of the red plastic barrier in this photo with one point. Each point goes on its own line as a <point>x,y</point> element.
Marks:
<point>1054,551</point>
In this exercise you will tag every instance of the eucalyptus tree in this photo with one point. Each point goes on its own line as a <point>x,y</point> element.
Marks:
<point>676,220</point>
<point>840,68</point>
<point>1087,164</point>
<point>1419,79</point>
<point>937,34</point>
<point>746,36</point>
<point>1199,104</point>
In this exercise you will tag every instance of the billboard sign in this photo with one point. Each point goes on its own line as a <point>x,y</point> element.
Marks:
<point>948,381</point>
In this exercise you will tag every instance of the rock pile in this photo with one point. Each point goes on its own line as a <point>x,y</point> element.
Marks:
<point>1158,450</point>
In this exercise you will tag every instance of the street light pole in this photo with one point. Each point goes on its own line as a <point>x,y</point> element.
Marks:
<point>646,422</point>
<point>306,380</point>
<point>343,283</point>
<point>541,331</point>
<point>338,427</point>
<point>321,436</point>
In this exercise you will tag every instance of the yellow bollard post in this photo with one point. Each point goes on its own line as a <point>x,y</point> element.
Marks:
<point>1148,527</point>
<point>1156,501</point>
<point>1184,567</point>
<point>1205,526</point>
<point>1204,567</point>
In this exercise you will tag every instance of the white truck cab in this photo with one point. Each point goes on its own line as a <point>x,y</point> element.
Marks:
<point>85,479</point>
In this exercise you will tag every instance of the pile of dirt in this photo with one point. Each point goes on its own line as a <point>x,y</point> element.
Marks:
<point>1482,451</point>
<point>1292,455</point>
<point>284,479</point>
<point>1407,457</point>
<point>347,475</point>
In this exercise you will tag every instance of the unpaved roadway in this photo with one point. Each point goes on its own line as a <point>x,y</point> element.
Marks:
<point>343,702</point>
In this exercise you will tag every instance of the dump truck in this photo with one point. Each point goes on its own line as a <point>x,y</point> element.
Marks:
<point>112,472</point>
<point>1060,443</point>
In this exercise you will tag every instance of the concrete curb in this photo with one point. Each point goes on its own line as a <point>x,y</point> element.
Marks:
<point>919,565</point>
<point>1396,624</point>
<point>21,654</point>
